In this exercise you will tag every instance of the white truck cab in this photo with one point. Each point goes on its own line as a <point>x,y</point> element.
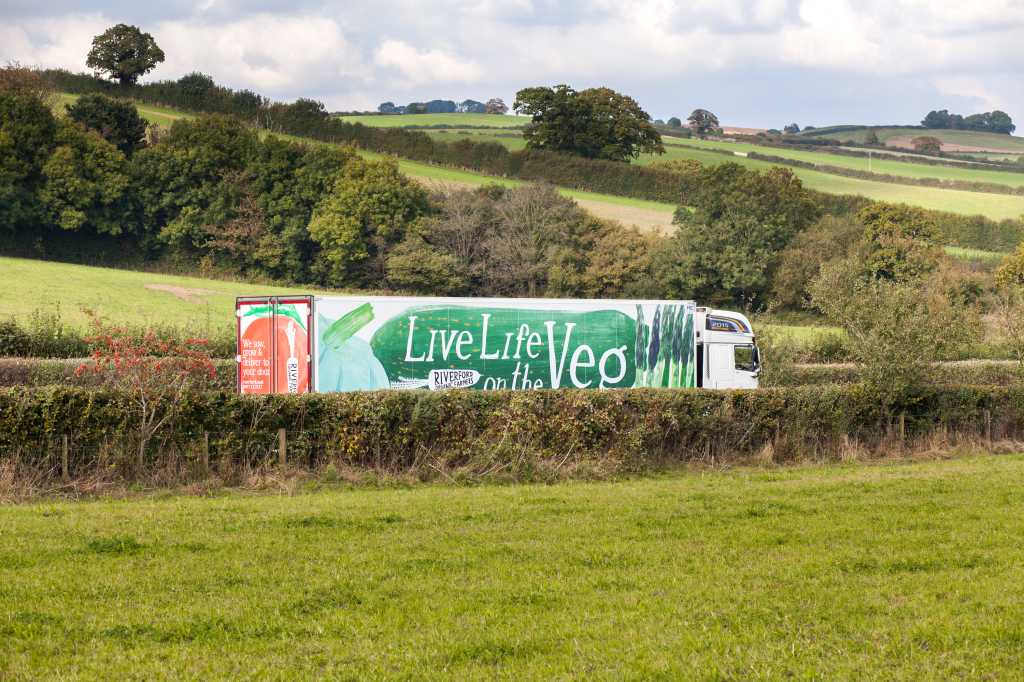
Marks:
<point>727,355</point>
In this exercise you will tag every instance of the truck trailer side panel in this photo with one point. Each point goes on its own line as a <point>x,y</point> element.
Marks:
<point>376,342</point>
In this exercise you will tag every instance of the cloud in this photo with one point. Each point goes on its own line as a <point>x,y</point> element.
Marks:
<point>270,53</point>
<point>418,67</point>
<point>755,62</point>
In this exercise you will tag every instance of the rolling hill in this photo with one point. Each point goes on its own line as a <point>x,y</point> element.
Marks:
<point>953,140</point>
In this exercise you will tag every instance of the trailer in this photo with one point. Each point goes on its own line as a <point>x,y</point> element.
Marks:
<point>301,344</point>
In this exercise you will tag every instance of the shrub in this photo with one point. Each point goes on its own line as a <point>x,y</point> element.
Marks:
<point>499,435</point>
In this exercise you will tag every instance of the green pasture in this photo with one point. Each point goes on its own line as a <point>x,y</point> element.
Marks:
<point>975,254</point>
<point>991,205</point>
<point>121,296</point>
<point>996,206</point>
<point>1008,143</point>
<point>161,116</point>
<point>887,571</point>
<point>906,168</point>
<point>454,120</point>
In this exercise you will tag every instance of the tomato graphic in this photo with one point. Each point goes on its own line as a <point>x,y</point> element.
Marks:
<point>290,367</point>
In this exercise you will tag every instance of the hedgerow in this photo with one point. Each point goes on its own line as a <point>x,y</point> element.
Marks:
<point>503,435</point>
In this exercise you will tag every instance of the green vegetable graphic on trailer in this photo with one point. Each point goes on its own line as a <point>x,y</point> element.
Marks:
<point>372,343</point>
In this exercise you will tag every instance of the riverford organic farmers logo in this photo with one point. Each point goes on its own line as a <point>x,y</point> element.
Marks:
<point>452,378</point>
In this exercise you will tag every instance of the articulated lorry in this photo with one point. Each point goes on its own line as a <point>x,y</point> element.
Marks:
<point>300,344</point>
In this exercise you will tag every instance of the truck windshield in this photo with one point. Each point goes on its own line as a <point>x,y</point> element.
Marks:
<point>747,358</point>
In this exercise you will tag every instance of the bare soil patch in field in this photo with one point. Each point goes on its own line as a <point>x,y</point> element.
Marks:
<point>905,142</point>
<point>186,294</point>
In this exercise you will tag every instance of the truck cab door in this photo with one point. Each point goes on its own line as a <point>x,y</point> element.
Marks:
<point>719,365</point>
<point>732,365</point>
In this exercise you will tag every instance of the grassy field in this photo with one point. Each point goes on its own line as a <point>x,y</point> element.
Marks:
<point>454,120</point>
<point>657,216</point>
<point>997,206</point>
<point>1009,143</point>
<point>907,168</point>
<point>161,116</point>
<point>123,296</point>
<point>974,254</point>
<point>647,215</point>
<point>891,571</point>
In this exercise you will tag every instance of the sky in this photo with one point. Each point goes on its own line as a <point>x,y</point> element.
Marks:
<point>757,63</point>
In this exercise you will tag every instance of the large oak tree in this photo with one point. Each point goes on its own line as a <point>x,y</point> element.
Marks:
<point>597,123</point>
<point>124,53</point>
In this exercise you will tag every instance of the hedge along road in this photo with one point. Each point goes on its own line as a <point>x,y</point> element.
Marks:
<point>890,571</point>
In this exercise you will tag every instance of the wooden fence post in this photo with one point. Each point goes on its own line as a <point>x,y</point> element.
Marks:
<point>903,426</point>
<point>282,444</point>
<point>206,452</point>
<point>988,427</point>
<point>64,472</point>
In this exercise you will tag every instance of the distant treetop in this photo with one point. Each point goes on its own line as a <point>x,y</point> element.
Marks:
<point>124,53</point>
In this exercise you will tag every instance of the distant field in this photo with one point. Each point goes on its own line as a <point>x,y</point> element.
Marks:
<point>455,120</point>
<point>885,166</point>
<point>122,296</point>
<point>647,215</point>
<point>887,571</point>
<point>975,254</point>
<point>996,206</point>
<point>161,116</point>
<point>654,215</point>
<point>970,138</point>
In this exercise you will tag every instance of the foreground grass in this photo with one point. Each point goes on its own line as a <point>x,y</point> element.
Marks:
<point>893,571</point>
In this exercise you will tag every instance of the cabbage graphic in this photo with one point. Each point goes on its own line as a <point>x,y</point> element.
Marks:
<point>346,362</point>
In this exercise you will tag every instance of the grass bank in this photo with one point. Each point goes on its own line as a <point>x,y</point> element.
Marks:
<point>122,296</point>
<point>892,571</point>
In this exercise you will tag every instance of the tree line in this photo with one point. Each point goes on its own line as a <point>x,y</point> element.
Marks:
<point>495,105</point>
<point>988,122</point>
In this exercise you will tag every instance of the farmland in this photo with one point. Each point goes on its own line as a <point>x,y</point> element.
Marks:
<point>996,206</point>
<point>423,120</point>
<point>122,296</point>
<point>902,136</point>
<point>888,571</point>
<point>656,216</point>
<point>157,115</point>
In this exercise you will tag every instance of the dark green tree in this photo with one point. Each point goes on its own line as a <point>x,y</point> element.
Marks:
<point>703,123</point>
<point>791,129</point>
<point>901,243</point>
<point>597,123</point>
<point>674,122</point>
<point>727,247</point>
<point>117,121</point>
<point>86,182</point>
<point>369,210</point>
<point>27,137</point>
<point>124,53</point>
